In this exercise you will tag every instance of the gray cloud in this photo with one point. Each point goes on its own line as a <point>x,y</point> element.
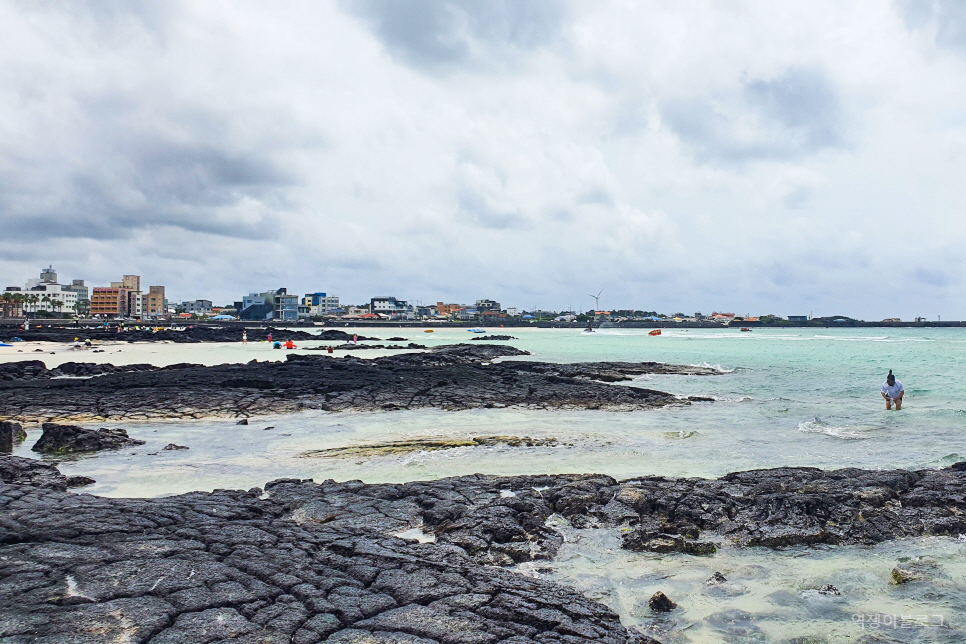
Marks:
<point>438,34</point>
<point>147,185</point>
<point>673,153</point>
<point>787,117</point>
<point>945,18</point>
<point>480,211</point>
<point>929,277</point>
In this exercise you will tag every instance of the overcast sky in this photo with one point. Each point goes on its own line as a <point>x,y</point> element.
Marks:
<point>685,156</point>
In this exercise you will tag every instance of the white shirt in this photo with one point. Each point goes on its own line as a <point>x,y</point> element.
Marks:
<point>893,391</point>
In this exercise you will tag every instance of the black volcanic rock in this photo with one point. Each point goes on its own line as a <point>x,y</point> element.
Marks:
<point>235,566</point>
<point>660,603</point>
<point>11,435</point>
<point>23,370</point>
<point>64,439</point>
<point>37,370</point>
<point>79,481</point>
<point>307,562</point>
<point>15,470</point>
<point>452,377</point>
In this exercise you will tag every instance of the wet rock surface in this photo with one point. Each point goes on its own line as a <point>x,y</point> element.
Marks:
<point>798,506</point>
<point>66,439</point>
<point>448,377</point>
<point>11,435</point>
<point>363,347</point>
<point>428,444</point>
<point>15,470</point>
<point>307,562</point>
<point>659,603</point>
<point>311,563</point>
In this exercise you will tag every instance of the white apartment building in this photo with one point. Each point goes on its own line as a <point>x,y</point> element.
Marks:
<point>50,297</point>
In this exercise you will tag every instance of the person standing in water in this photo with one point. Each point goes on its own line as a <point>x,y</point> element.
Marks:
<point>892,390</point>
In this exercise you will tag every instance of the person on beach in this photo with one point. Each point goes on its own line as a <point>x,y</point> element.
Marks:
<point>269,337</point>
<point>244,336</point>
<point>892,390</point>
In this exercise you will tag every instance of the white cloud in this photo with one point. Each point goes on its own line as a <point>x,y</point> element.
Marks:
<point>749,156</point>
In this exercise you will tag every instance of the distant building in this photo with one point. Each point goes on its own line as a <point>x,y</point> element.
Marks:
<point>391,307</point>
<point>83,296</point>
<point>798,318</point>
<point>255,306</point>
<point>120,299</point>
<point>270,305</point>
<point>154,303</point>
<point>512,311</point>
<point>286,306</point>
<point>448,309</point>
<point>319,303</point>
<point>109,301</point>
<point>45,294</point>
<point>487,305</point>
<point>49,275</point>
<point>197,307</point>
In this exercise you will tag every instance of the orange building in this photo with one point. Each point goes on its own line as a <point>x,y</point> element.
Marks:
<point>109,301</point>
<point>154,302</point>
<point>448,309</point>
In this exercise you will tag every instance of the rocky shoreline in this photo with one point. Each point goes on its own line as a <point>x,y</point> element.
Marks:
<point>189,334</point>
<point>452,377</point>
<point>413,563</point>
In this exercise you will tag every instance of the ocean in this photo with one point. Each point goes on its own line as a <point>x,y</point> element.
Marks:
<point>799,397</point>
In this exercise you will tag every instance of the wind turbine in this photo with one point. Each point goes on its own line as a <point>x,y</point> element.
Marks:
<point>590,323</point>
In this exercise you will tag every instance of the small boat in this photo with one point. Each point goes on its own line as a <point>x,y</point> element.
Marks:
<point>428,330</point>
<point>4,344</point>
<point>744,328</point>
<point>654,332</point>
<point>476,330</point>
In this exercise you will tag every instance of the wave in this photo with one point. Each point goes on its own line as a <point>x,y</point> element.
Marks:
<point>737,399</point>
<point>716,367</point>
<point>844,432</point>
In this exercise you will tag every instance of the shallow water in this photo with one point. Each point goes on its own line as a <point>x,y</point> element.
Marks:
<point>802,397</point>
<point>770,595</point>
